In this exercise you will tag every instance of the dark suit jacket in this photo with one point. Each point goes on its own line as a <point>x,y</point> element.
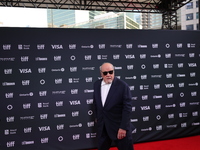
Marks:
<point>116,112</point>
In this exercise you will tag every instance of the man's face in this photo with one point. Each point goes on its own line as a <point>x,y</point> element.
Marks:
<point>107,73</point>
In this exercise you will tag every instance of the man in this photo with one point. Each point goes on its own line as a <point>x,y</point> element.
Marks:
<point>112,101</point>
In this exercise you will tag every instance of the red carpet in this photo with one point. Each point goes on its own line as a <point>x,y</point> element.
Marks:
<point>186,143</point>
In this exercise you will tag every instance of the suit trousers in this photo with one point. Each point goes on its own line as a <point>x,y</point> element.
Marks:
<point>104,141</point>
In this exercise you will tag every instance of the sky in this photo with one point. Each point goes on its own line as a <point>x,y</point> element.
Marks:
<point>23,17</point>
<point>31,17</point>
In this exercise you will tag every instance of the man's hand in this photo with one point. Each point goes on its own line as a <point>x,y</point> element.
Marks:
<point>121,134</point>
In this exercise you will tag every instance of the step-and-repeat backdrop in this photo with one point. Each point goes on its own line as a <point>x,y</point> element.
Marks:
<point>47,78</point>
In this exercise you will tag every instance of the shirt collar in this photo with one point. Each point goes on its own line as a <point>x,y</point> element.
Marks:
<point>104,83</point>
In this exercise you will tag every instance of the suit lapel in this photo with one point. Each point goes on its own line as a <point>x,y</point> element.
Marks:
<point>99,94</point>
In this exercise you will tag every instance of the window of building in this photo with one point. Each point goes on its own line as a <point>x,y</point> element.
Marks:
<point>189,5</point>
<point>197,3</point>
<point>190,27</point>
<point>189,16</point>
<point>197,15</point>
<point>198,27</point>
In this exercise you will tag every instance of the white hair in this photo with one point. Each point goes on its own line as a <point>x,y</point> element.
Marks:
<point>106,63</point>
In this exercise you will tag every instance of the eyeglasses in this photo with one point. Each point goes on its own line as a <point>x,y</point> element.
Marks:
<point>106,72</point>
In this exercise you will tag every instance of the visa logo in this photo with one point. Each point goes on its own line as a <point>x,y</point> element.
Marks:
<point>57,46</point>
<point>27,70</point>
<point>145,107</point>
<point>44,128</point>
<point>76,102</point>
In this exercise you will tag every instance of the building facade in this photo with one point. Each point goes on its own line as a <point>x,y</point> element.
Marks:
<point>190,16</point>
<point>109,21</point>
<point>92,19</point>
<point>57,17</point>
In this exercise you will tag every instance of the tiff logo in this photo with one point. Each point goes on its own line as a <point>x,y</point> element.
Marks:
<point>41,70</point>
<point>90,124</point>
<point>7,47</point>
<point>73,69</point>
<point>194,93</point>
<point>192,74</point>
<point>168,55</point>
<point>170,95</point>
<point>155,45</point>
<point>195,113</point>
<point>117,56</point>
<point>89,101</point>
<point>191,55</point>
<point>24,58</point>
<point>156,86</point>
<point>10,144</point>
<point>180,65</point>
<point>74,91</point>
<point>60,127</point>
<point>158,106</point>
<point>58,81</point>
<point>170,116</point>
<point>44,140</point>
<point>129,46</point>
<point>182,104</point>
<point>143,77</point>
<point>57,58</point>
<point>10,119</point>
<point>59,103</point>
<point>88,79</point>
<point>42,93</point>
<point>102,46</point>
<point>7,71</point>
<point>25,82</point>
<point>9,95</point>
<point>76,137</point>
<point>144,97</point>
<point>88,57</point>
<point>179,45</point>
<point>27,106</point>
<point>72,46</point>
<point>142,56</point>
<point>130,67</point>
<point>155,66</point>
<point>43,116</point>
<point>181,85</point>
<point>159,127</point>
<point>75,114</point>
<point>40,46</point>
<point>146,118</point>
<point>183,125</point>
<point>27,130</point>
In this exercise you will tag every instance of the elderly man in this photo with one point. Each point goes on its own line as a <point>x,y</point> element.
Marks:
<point>112,101</point>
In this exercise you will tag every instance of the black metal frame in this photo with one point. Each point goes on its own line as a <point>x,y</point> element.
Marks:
<point>166,7</point>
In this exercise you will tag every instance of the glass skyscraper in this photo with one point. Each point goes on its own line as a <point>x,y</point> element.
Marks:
<point>92,19</point>
<point>58,18</point>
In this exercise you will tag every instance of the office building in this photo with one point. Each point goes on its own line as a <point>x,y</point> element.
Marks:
<point>91,19</point>
<point>59,18</point>
<point>190,16</point>
<point>109,21</point>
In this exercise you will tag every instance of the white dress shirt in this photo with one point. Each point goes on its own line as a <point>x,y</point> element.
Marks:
<point>104,91</point>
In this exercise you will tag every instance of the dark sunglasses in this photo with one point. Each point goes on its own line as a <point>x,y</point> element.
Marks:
<point>106,72</point>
